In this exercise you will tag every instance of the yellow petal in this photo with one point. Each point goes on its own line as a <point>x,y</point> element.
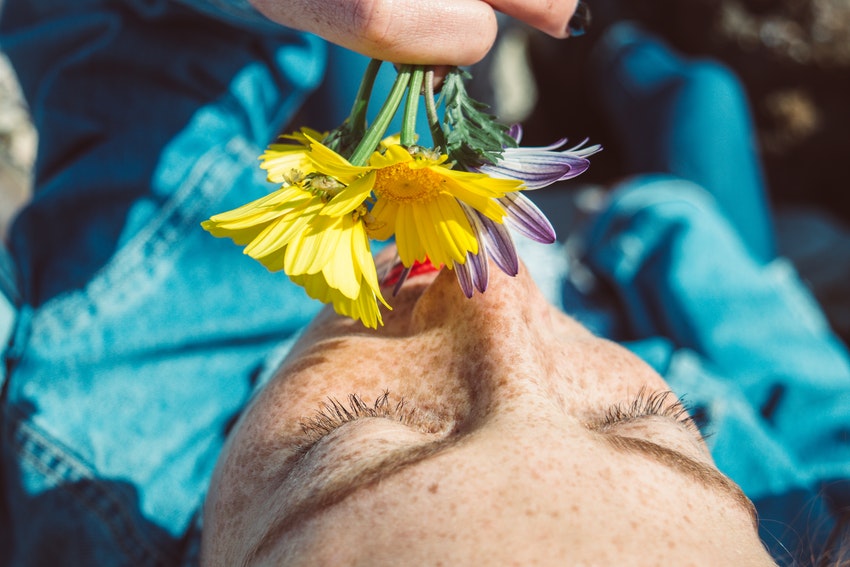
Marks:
<point>240,237</point>
<point>366,262</point>
<point>312,249</point>
<point>410,249</point>
<point>454,231</point>
<point>481,203</point>
<point>384,214</point>
<point>327,161</point>
<point>339,270</point>
<point>281,232</point>
<point>351,197</point>
<point>482,183</point>
<point>426,219</point>
<point>275,238</point>
<point>273,202</point>
<point>394,155</point>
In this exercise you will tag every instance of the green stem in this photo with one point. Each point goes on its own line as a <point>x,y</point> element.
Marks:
<point>382,121</point>
<point>437,134</point>
<point>411,105</point>
<point>357,118</point>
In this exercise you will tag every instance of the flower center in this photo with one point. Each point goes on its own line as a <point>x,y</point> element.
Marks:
<point>401,183</point>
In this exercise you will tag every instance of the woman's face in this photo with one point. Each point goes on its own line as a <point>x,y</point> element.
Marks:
<point>490,430</point>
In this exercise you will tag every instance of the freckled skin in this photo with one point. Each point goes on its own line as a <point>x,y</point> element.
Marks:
<point>516,384</point>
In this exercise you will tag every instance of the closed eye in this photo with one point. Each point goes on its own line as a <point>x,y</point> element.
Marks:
<point>333,414</point>
<point>662,403</point>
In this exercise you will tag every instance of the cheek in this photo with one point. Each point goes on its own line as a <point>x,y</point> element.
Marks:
<point>602,372</point>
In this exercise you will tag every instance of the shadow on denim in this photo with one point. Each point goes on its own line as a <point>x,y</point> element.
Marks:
<point>72,520</point>
<point>110,100</point>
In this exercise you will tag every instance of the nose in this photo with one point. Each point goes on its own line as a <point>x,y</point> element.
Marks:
<point>506,342</point>
<point>512,306</point>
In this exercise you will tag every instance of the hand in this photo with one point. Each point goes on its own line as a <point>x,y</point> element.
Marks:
<point>434,32</point>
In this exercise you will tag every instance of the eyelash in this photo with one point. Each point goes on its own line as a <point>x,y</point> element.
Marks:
<point>649,404</point>
<point>333,413</point>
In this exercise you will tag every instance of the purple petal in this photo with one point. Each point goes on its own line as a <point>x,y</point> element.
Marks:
<point>515,132</point>
<point>578,149</point>
<point>480,269</point>
<point>527,219</point>
<point>477,264</point>
<point>584,152</point>
<point>500,246</point>
<point>537,169</point>
<point>551,147</point>
<point>464,277</point>
<point>401,279</point>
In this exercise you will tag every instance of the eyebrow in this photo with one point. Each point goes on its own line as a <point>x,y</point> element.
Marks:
<point>344,486</point>
<point>709,477</point>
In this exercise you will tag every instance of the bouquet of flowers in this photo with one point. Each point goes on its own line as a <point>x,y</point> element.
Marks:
<point>449,203</point>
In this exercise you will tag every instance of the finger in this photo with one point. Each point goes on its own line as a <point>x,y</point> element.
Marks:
<point>434,32</point>
<point>549,16</point>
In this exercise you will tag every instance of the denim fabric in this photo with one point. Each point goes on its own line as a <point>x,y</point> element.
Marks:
<point>687,117</point>
<point>8,300</point>
<point>139,337</point>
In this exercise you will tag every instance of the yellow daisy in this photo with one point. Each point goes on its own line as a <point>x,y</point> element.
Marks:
<point>417,198</point>
<point>281,159</point>
<point>328,255</point>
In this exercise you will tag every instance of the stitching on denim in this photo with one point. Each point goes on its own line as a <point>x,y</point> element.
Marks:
<point>58,466</point>
<point>180,213</point>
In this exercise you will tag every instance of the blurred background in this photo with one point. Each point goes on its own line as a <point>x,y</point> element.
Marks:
<point>17,145</point>
<point>793,57</point>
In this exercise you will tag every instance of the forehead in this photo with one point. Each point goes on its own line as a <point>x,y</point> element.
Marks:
<point>477,496</point>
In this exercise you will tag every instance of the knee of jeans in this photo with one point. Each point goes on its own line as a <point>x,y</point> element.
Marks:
<point>713,83</point>
<point>654,189</point>
<point>664,199</point>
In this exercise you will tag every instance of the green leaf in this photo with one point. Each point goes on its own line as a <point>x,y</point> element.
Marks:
<point>473,137</point>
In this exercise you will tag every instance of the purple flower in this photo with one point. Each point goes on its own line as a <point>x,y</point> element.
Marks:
<point>537,167</point>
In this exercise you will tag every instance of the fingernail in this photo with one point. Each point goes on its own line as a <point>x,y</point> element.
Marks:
<point>580,21</point>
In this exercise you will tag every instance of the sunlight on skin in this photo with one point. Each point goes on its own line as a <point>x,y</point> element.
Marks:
<point>502,452</point>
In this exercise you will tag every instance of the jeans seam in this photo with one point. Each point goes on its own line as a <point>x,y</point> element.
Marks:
<point>24,437</point>
<point>179,212</point>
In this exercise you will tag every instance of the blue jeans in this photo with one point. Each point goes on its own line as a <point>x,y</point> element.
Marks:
<point>138,337</point>
<point>689,118</point>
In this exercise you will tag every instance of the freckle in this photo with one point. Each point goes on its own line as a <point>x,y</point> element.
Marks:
<point>574,508</point>
<point>605,474</point>
<point>433,488</point>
